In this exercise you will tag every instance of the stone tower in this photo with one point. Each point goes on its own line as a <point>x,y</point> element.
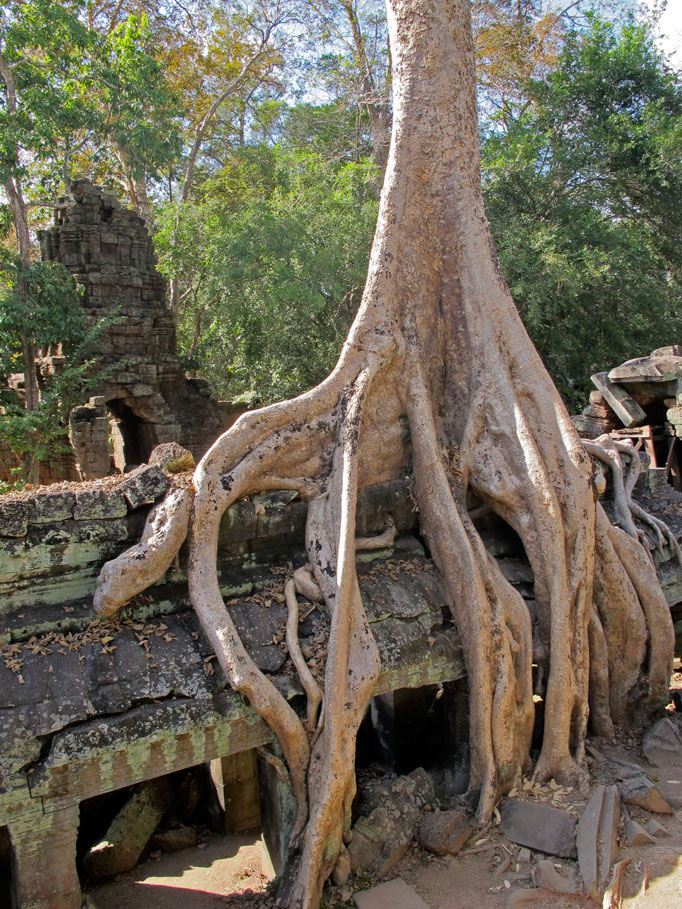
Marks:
<point>145,398</point>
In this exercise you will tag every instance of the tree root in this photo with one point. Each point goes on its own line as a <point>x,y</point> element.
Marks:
<point>142,565</point>
<point>310,686</point>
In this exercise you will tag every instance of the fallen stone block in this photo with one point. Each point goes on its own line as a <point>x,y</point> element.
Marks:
<point>539,827</point>
<point>597,839</point>
<point>662,743</point>
<point>444,832</point>
<point>391,895</point>
<point>381,838</point>
<point>130,830</point>
<point>656,829</point>
<point>174,840</point>
<point>564,881</point>
<point>635,833</point>
<point>144,485</point>
<point>623,405</point>
<point>172,457</point>
<point>641,792</point>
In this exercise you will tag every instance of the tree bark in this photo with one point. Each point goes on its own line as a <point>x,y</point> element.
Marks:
<point>438,338</point>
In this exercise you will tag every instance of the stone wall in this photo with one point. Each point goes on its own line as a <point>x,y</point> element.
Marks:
<point>88,705</point>
<point>145,397</point>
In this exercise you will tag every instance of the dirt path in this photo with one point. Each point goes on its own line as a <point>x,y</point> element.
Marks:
<point>197,878</point>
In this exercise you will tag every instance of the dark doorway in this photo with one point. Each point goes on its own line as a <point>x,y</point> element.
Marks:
<point>133,438</point>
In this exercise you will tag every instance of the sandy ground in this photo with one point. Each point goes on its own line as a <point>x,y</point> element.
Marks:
<point>235,871</point>
<point>197,878</point>
<point>237,867</point>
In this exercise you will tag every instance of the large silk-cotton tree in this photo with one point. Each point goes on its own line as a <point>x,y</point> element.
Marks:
<point>437,338</point>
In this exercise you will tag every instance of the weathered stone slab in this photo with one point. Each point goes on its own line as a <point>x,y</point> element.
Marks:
<point>391,895</point>
<point>624,405</point>
<point>444,832</point>
<point>597,838</point>
<point>130,830</point>
<point>656,829</point>
<point>13,518</point>
<point>51,506</point>
<point>648,369</point>
<point>640,791</point>
<point>144,485</point>
<point>636,834</point>
<point>539,827</point>
<point>99,502</point>
<point>662,743</point>
<point>382,838</point>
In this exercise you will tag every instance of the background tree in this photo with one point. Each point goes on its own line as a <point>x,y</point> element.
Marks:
<point>584,196</point>
<point>274,254</point>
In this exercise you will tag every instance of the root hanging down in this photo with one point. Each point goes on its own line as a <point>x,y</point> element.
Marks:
<point>436,338</point>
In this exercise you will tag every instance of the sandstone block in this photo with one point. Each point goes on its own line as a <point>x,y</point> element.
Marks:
<point>96,502</point>
<point>171,457</point>
<point>391,895</point>
<point>144,485</point>
<point>597,839</point>
<point>662,743</point>
<point>13,518</point>
<point>539,827</point>
<point>444,832</point>
<point>130,830</point>
<point>47,507</point>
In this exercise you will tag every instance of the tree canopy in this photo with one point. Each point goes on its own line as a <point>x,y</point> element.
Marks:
<point>236,128</point>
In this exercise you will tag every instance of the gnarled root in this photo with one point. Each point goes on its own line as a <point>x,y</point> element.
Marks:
<point>635,620</point>
<point>310,686</point>
<point>142,565</point>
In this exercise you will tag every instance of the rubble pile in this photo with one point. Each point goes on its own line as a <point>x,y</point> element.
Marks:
<point>641,400</point>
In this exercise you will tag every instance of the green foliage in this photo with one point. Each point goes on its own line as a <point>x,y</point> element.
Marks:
<point>43,303</point>
<point>584,196</point>
<point>274,260</point>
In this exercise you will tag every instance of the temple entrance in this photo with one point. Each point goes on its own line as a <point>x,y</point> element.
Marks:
<point>132,438</point>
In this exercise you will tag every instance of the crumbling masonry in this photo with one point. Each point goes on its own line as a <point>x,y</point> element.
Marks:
<point>145,398</point>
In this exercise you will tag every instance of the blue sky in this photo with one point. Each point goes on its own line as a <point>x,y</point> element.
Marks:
<point>670,29</point>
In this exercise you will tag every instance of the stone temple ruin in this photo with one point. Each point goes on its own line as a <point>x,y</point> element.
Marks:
<point>101,718</point>
<point>641,401</point>
<point>105,719</point>
<point>144,398</point>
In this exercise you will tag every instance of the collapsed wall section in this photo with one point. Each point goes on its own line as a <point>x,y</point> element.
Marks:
<point>143,396</point>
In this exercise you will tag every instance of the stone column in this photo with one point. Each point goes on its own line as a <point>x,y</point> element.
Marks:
<point>236,782</point>
<point>44,871</point>
<point>278,809</point>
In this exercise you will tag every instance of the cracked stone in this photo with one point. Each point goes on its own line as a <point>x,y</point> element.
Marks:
<point>597,838</point>
<point>144,485</point>
<point>444,832</point>
<point>662,743</point>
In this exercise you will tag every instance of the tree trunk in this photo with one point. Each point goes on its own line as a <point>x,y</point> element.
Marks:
<point>438,337</point>
<point>137,186</point>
